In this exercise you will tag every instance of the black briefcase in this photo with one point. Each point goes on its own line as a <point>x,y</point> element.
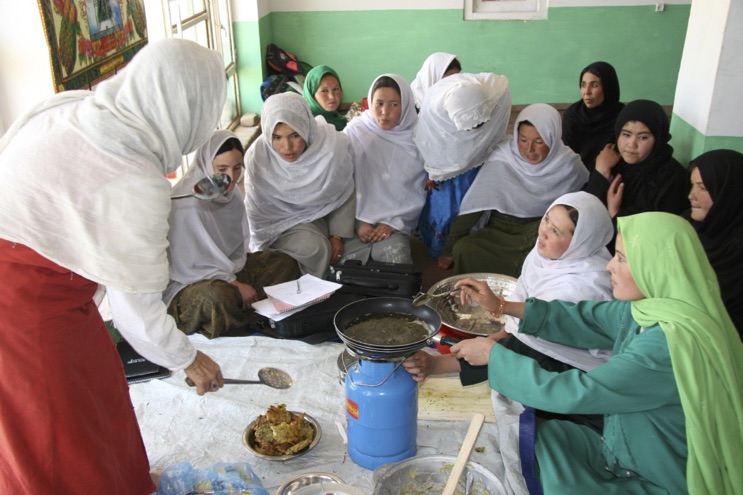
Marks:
<point>376,278</point>
<point>313,324</point>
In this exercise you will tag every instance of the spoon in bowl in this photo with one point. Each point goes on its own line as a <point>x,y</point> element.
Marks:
<point>208,188</point>
<point>273,377</point>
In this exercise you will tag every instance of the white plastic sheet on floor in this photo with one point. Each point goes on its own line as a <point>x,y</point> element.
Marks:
<point>178,425</point>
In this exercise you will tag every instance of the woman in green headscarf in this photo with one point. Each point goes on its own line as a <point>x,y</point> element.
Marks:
<point>322,90</point>
<point>671,392</point>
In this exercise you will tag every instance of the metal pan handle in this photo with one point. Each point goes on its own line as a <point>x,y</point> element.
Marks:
<point>444,340</point>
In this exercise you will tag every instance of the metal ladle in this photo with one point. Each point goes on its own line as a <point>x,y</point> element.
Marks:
<point>273,377</point>
<point>208,188</point>
<point>423,297</point>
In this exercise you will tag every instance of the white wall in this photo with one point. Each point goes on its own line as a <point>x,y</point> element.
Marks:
<point>708,89</point>
<point>25,71</point>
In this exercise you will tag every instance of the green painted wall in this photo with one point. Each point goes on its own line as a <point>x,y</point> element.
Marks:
<point>688,143</point>
<point>541,58</point>
<point>251,39</point>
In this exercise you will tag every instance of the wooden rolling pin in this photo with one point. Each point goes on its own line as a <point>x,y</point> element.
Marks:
<point>464,454</point>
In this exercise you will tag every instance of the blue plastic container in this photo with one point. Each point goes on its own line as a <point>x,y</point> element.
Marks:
<point>382,413</point>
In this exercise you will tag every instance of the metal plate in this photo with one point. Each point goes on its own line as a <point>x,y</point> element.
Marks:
<point>469,319</point>
<point>330,489</point>
<point>291,486</point>
<point>249,440</point>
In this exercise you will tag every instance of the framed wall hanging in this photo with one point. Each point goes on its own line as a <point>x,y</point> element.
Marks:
<point>90,40</point>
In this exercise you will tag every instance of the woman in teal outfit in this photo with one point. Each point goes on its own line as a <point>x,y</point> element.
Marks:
<point>671,392</point>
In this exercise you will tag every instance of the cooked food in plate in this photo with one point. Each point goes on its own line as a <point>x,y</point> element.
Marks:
<point>282,432</point>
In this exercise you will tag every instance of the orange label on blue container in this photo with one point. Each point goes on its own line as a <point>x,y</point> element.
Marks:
<point>352,409</point>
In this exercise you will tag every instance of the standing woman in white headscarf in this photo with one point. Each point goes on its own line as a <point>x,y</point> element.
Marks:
<point>514,187</point>
<point>211,284</point>
<point>299,191</point>
<point>436,67</point>
<point>84,202</point>
<point>389,174</point>
<point>462,119</point>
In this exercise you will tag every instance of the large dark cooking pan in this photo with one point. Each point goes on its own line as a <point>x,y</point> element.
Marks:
<point>402,346</point>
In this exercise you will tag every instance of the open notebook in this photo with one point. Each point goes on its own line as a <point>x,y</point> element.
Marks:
<point>292,296</point>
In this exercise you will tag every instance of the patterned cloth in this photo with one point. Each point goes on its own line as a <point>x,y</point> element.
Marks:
<point>215,307</point>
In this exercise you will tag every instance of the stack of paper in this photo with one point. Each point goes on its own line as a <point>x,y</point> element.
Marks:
<point>289,297</point>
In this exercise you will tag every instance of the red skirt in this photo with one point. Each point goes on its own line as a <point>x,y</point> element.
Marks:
<point>67,424</point>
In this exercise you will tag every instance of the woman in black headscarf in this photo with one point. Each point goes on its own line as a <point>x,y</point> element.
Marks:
<point>638,173</point>
<point>588,124</point>
<point>717,215</point>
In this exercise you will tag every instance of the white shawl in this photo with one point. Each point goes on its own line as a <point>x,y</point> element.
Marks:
<point>388,169</point>
<point>206,237</point>
<point>82,175</point>
<point>431,72</point>
<point>280,194</point>
<point>511,185</point>
<point>578,275</point>
<point>451,109</point>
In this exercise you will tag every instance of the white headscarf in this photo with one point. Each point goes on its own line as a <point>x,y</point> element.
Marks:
<point>206,237</point>
<point>82,175</point>
<point>389,174</point>
<point>281,194</point>
<point>451,110</point>
<point>578,275</point>
<point>431,72</point>
<point>511,185</point>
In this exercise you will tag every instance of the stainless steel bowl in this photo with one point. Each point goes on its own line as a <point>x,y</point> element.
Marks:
<point>428,476</point>
<point>290,487</point>
<point>330,489</point>
<point>469,319</point>
<point>249,440</point>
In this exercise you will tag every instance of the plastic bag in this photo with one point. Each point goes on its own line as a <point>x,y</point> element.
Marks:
<point>218,479</point>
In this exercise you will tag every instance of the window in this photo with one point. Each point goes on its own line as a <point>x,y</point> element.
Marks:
<point>476,10</point>
<point>209,23</point>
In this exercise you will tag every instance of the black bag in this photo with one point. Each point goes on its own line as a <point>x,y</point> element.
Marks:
<point>376,278</point>
<point>279,61</point>
<point>312,325</point>
<point>278,83</point>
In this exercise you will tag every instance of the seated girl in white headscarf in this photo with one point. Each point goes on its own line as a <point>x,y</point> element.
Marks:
<point>512,190</point>
<point>568,262</point>
<point>211,285</point>
<point>389,174</point>
<point>299,191</point>
<point>462,119</point>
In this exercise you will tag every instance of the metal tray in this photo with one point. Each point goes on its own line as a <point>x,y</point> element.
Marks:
<point>469,319</point>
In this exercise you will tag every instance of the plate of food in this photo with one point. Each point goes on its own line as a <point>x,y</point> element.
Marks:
<point>280,435</point>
